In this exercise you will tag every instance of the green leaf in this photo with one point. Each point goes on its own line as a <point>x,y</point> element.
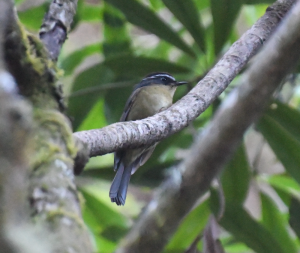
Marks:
<point>89,12</point>
<point>251,13</point>
<point>210,50</point>
<point>259,1</point>
<point>187,13</point>
<point>128,66</point>
<point>224,14</point>
<point>79,106</point>
<point>190,227</point>
<point>115,100</point>
<point>287,117</point>
<point>140,15</point>
<point>18,2</point>
<point>156,5</point>
<point>236,177</point>
<point>104,246</point>
<point>283,182</point>
<point>33,17</point>
<point>276,224</point>
<point>114,233</point>
<point>284,196</point>
<point>116,37</point>
<point>244,228</point>
<point>102,221</point>
<point>105,216</point>
<point>95,119</point>
<point>235,247</point>
<point>283,143</point>
<point>104,163</point>
<point>90,219</point>
<point>69,63</point>
<point>203,4</point>
<point>294,216</point>
<point>161,51</point>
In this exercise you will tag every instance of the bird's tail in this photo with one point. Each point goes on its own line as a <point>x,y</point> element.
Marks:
<point>118,189</point>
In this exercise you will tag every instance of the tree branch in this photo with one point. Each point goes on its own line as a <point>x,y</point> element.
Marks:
<point>218,141</point>
<point>56,25</point>
<point>15,143</point>
<point>148,131</point>
<point>7,86</point>
<point>54,200</point>
<point>27,61</point>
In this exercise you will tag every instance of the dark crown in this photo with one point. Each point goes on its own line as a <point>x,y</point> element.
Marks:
<point>156,78</point>
<point>160,75</point>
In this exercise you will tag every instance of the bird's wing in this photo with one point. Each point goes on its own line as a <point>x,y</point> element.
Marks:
<point>117,159</point>
<point>142,158</point>
<point>129,104</point>
<point>119,154</point>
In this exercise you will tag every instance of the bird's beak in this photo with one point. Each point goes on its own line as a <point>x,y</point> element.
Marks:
<point>180,83</point>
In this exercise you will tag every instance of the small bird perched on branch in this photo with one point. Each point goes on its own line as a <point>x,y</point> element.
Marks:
<point>152,95</point>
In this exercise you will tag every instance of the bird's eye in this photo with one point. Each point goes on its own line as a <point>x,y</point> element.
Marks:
<point>163,79</point>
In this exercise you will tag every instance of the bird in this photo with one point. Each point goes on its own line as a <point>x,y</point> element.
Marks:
<point>151,95</point>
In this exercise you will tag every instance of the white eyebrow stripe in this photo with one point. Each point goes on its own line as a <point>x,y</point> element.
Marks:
<point>158,75</point>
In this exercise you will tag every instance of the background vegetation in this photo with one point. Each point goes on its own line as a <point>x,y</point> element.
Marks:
<point>113,44</point>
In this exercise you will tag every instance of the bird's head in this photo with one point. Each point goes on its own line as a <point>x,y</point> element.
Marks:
<point>159,78</point>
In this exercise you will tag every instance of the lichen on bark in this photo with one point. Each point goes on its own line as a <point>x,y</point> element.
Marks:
<point>54,200</point>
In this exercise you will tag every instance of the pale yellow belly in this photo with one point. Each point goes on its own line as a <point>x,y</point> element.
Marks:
<point>150,101</point>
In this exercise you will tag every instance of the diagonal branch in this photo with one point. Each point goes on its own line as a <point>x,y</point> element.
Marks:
<point>155,128</point>
<point>218,141</point>
<point>56,25</point>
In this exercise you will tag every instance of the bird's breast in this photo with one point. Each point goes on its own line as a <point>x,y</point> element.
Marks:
<point>150,101</point>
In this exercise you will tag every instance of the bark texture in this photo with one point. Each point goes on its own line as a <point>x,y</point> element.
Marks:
<point>15,145</point>
<point>14,135</point>
<point>218,141</point>
<point>54,201</point>
<point>148,131</point>
<point>11,155</point>
<point>56,25</point>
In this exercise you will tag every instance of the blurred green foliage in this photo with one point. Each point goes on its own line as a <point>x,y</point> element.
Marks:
<point>184,38</point>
